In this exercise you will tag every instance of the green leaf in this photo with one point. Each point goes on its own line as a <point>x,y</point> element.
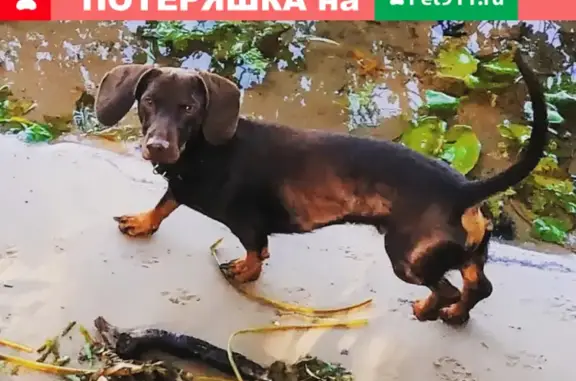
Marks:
<point>563,82</point>
<point>570,207</point>
<point>438,101</point>
<point>20,107</point>
<point>554,116</point>
<point>561,98</point>
<point>560,186</point>
<point>550,229</point>
<point>13,120</point>
<point>37,133</point>
<point>462,148</point>
<point>425,136</point>
<point>498,73</point>
<point>456,61</point>
<point>475,82</point>
<point>503,65</point>
<point>548,163</point>
<point>16,120</point>
<point>517,132</point>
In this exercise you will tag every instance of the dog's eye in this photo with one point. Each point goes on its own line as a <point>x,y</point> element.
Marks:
<point>148,101</point>
<point>187,108</point>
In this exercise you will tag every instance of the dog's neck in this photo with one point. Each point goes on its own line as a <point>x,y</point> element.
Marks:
<point>169,172</point>
<point>194,157</point>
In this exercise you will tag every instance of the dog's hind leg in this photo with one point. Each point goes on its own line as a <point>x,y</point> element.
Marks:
<point>147,223</point>
<point>414,264</point>
<point>476,288</point>
<point>443,293</point>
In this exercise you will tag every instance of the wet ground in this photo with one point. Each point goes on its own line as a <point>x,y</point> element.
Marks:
<point>64,259</point>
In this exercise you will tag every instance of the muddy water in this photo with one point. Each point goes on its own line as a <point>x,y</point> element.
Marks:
<point>79,267</point>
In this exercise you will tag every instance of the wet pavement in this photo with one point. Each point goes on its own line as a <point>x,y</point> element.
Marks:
<point>64,259</point>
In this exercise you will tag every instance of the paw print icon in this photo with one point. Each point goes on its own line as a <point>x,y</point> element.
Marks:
<point>26,5</point>
<point>396,2</point>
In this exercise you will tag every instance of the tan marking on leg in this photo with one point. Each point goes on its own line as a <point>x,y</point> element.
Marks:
<point>422,307</point>
<point>473,290</point>
<point>443,294</point>
<point>470,274</point>
<point>475,224</point>
<point>147,223</point>
<point>247,269</point>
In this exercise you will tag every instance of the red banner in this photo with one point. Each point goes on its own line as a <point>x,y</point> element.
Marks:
<point>25,10</point>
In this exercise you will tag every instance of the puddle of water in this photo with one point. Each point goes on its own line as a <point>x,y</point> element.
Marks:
<point>309,83</point>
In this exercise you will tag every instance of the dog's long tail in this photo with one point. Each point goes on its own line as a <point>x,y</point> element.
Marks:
<point>477,191</point>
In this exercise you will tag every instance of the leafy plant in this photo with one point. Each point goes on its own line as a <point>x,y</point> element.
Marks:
<point>13,120</point>
<point>563,82</point>
<point>84,116</point>
<point>550,229</point>
<point>312,368</point>
<point>455,61</point>
<point>548,191</point>
<point>554,116</point>
<point>439,102</point>
<point>561,98</point>
<point>495,203</point>
<point>461,148</point>
<point>250,46</point>
<point>362,109</point>
<point>458,145</point>
<point>425,136</point>
<point>502,65</point>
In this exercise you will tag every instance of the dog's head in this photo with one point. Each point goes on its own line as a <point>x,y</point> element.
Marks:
<point>174,105</point>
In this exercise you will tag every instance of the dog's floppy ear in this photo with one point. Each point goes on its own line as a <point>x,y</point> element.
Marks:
<point>222,108</point>
<point>117,92</point>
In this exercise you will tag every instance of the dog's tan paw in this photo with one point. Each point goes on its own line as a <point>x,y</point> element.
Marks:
<point>242,270</point>
<point>139,225</point>
<point>455,315</point>
<point>423,311</point>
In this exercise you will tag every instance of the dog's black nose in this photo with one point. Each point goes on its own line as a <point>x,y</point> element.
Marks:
<point>156,144</point>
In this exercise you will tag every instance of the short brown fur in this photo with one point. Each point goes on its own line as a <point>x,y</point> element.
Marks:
<point>330,198</point>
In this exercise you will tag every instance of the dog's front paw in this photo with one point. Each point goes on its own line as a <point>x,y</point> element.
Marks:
<point>242,270</point>
<point>455,315</point>
<point>423,311</point>
<point>139,225</point>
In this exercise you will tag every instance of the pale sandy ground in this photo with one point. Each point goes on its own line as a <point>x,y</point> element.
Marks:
<point>65,260</point>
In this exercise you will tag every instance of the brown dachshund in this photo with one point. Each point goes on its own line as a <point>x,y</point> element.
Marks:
<point>261,179</point>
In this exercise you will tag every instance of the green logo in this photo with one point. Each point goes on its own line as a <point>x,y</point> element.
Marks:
<point>466,10</point>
